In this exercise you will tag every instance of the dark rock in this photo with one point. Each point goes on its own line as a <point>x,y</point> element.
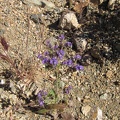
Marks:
<point>117,46</point>
<point>107,55</point>
<point>95,53</point>
<point>86,60</point>
<point>6,24</point>
<point>37,18</point>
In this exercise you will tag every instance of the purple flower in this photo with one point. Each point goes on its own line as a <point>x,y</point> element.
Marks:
<point>45,60</point>
<point>78,67</point>
<point>53,61</point>
<point>69,44</point>
<point>60,53</point>
<point>77,57</point>
<point>41,95</point>
<point>46,53</point>
<point>55,47</point>
<point>48,44</point>
<point>60,56</point>
<point>68,62</point>
<point>41,103</point>
<point>67,89</point>
<point>40,56</point>
<point>61,37</point>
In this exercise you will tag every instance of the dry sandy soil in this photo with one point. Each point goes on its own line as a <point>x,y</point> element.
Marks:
<point>95,90</point>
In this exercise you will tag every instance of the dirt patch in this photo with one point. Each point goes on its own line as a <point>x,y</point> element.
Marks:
<point>95,90</point>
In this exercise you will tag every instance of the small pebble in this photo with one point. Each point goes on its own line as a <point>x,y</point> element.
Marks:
<point>104,96</point>
<point>35,18</point>
<point>109,74</point>
<point>99,114</point>
<point>86,109</point>
<point>2,32</point>
<point>115,118</point>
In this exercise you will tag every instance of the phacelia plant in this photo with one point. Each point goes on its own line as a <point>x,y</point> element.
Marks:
<point>57,56</point>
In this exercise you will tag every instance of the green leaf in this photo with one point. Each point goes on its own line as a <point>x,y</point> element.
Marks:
<point>51,97</point>
<point>52,93</point>
<point>43,111</point>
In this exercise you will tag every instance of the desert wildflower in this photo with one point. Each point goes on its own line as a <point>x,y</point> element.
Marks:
<point>78,67</point>
<point>61,37</point>
<point>41,95</point>
<point>53,61</point>
<point>68,44</point>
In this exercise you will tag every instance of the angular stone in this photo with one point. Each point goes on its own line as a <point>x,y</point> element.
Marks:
<point>104,96</point>
<point>86,109</point>
<point>109,74</point>
<point>68,20</point>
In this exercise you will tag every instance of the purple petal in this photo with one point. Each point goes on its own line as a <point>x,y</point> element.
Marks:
<point>45,60</point>
<point>40,56</point>
<point>67,89</point>
<point>61,37</point>
<point>41,103</point>
<point>48,44</point>
<point>55,47</point>
<point>77,57</point>
<point>69,44</point>
<point>68,62</point>
<point>60,53</point>
<point>53,61</point>
<point>46,53</point>
<point>79,67</point>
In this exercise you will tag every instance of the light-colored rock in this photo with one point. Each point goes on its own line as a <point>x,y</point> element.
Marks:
<point>99,114</point>
<point>109,74</point>
<point>104,96</point>
<point>40,3</point>
<point>111,2</point>
<point>96,2</point>
<point>115,118</point>
<point>68,20</point>
<point>84,43</point>
<point>86,109</point>
<point>36,2</point>
<point>48,3</point>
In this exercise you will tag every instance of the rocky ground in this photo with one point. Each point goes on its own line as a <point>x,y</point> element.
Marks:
<point>25,25</point>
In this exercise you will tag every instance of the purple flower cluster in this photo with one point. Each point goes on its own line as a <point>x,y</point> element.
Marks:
<point>53,61</point>
<point>69,44</point>
<point>78,67</point>
<point>77,57</point>
<point>61,37</point>
<point>68,62</point>
<point>41,95</point>
<point>56,55</point>
<point>60,54</point>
